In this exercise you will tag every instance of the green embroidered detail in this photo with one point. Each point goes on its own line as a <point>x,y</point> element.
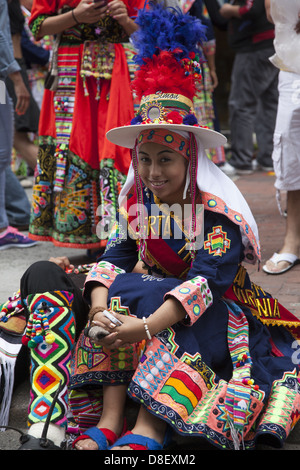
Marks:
<point>35,26</point>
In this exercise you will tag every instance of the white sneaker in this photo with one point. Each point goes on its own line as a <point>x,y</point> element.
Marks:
<point>228,169</point>
<point>26,183</point>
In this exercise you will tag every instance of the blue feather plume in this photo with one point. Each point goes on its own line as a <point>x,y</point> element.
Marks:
<point>166,29</point>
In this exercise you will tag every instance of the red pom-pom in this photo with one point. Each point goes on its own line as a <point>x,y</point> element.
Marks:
<point>25,340</point>
<point>175,117</point>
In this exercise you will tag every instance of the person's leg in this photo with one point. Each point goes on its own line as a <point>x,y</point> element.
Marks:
<point>16,201</point>
<point>55,314</point>
<point>286,161</point>
<point>291,243</point>
<point>242,111</point>
<point>46,276</point>
<point>6,137</point>
<point>112,417</point>
<point>9,237</point>
<point>26,148</point>
<point>3,217</point>
<point>267,112</point>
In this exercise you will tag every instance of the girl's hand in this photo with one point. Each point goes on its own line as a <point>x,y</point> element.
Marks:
<point>88,11</point>
<point>131,331</point>
<point>228,11</point>
<point>214,79</point>
<point>62,261</point>
<point>22,94</point>
<point>118,11</point>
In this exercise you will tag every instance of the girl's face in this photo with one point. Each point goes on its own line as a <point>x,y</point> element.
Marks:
<point>163,171</point>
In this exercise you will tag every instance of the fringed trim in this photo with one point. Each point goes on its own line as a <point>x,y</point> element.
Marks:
<point>273,321</point>
<point>9,350</point>
<point>237,438</point>
<point>6,377</point>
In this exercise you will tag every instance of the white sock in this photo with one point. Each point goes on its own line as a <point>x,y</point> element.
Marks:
<point>55,433</point>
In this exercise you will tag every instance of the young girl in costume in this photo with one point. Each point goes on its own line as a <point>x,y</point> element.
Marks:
<point>204,351</point>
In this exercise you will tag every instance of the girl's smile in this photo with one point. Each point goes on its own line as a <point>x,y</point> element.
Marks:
<point>163,171</point>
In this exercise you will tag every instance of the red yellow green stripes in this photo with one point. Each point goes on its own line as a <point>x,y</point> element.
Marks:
<point>183,390</point>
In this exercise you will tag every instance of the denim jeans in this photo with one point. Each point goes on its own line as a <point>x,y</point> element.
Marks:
<point>16,201</point>
<point>6,143</point>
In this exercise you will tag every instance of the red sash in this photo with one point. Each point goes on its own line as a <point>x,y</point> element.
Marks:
<point>159,251</point>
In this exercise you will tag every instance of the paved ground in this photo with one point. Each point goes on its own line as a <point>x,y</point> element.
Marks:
<point>258,190</point>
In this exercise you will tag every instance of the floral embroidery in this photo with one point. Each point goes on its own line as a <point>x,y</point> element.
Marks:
<point>194,295</point>
<point>104,273</point>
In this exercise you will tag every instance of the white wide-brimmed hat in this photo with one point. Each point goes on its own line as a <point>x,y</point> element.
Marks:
<point>126,136</point>
<point>157,110</point>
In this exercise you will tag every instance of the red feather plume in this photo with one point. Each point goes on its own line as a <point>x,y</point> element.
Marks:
<point>163,73</point>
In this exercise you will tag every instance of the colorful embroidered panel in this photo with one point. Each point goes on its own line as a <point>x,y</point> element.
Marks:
<point>217,242</point>
<point>194,295</point>
<point>185,397</point>
<point>50,360</point>
<point>104,273</point>
<point>67,217</point>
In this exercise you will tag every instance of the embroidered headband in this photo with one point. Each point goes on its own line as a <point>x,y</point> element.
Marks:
<point>165,137</point>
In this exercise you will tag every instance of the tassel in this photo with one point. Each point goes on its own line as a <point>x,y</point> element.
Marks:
<point>37,330</point>
<point>235,435</point>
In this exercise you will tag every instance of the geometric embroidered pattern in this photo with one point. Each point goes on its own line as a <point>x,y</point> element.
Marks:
<point>284,394</point>
<point>50,363</point>
<point>194,295</point>
<point>154,370</point>
<point>217,242</point>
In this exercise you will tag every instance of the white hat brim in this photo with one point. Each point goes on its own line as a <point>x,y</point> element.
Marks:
<point>126,136</point>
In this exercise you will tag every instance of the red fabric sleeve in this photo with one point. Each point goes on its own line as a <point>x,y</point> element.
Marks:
<point>134,6</point>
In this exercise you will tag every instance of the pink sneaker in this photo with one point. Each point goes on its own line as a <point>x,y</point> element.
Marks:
<point>12,238</point>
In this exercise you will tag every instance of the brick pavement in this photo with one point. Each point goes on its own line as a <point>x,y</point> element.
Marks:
<point>258,190</point>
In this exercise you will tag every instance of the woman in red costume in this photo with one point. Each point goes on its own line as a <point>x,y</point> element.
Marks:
<point>79,172</point>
